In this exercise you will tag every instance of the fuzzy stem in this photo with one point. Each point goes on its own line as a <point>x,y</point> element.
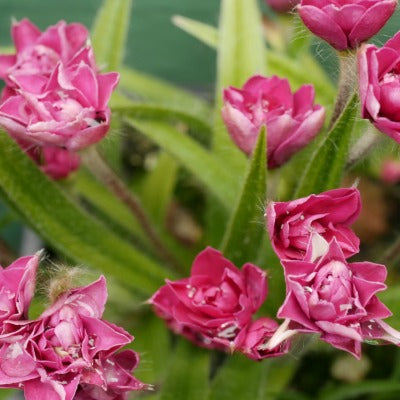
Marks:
<point>347,80</point>
<point>102,171</point>
<point>392,254</point>
<point>363,146</point>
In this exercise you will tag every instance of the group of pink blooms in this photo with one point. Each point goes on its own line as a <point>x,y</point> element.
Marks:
<point>55,104</point>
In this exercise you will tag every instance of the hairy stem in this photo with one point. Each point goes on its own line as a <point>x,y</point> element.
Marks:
<point>363,146</point>
<point>347,83</point>
<point>103,172</point>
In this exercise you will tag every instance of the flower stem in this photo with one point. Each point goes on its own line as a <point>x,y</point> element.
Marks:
<point>363,146</point>
<point>392,254</point>
<point>103,172</point>
<point>347,80</point>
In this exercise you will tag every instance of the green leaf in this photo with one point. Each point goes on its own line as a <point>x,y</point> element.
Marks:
<point>110,31</point>
<point>204,32</point>
<point>68,228</point>
<point>240,55</point>
<point>326,167</point>
<point>149,88</point>
<point>245,230</point>
<point>196,159</point>
<point>355,390</point>
<point>127,108</point>
<point>158,188</point>
<point>187,376</point>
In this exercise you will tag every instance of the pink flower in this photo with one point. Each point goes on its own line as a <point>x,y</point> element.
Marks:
<point>252,340</point>
<point>55,162</point>
<point>344,24</point>
<point>214,303</point>
<point>282,5</point>
<point>390,171</point>
<point>333,297</point>
<point>67,346</point>
<point>38,53</point>
<point>17,289</point>
<point>292,120</point>
<point>379,73</point>
<point>290,224</point>
<point>68,110</point>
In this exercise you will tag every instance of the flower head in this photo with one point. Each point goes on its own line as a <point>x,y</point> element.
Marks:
<point>214,303</point>
<point>344,24</point>
<point>291,224</point>
<point>292,119</point>
<point>335,298</point>
<point>69,349</point>
<point>379,83</point>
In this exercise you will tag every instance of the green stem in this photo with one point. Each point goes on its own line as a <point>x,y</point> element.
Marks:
<point>347,82</point>
<point>103,172</point>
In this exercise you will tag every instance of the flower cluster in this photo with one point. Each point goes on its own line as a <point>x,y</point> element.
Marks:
<point>325,293</point>
<point>69,352</point>
<point>214,306</point>
<point>55,100</point>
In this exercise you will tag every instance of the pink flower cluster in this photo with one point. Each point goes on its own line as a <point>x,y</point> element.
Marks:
<point>69,352</point>
<point>214,306</point>
<point>325,294</point>
<point>55,100</point>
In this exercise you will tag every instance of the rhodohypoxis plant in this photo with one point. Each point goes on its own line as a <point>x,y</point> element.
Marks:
<point>287,217</point>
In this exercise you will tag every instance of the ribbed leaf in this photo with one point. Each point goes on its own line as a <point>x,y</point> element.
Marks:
<point>109,32</point>
<point>200,162</point>
<point>149,88</point>
<point>246,228</point>
<point>67,227</point>
<point>326,167</point>
<point>187,376</point>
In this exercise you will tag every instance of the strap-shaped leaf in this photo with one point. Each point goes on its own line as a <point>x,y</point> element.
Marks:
<point>149,88</point>
<point>326,167</point>
<point>109,32</point>
<point>67,227</point>
<point>246,228</point>
<point>201,163</point>
<point>187,376</point>
<point>240,55</point>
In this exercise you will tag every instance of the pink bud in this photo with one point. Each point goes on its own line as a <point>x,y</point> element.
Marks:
<point>282,5</point>
<point>390,171</point>
<point>290,224</point>
<point>334,298</point>
<point>292,119</point>
<point>344,24</point>
<point>212,306</point>
<point>379,72</point>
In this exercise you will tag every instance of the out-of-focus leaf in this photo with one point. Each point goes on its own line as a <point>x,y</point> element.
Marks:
<point>201,163</point>
<point>240,54</point>
<point>148,88</point>
<point>360,388</point>
<point>325,169</point>
<point>241,378</point>
<point>128,108</point>
<point>67,227</point>
<point>245,230</point>
<point>157,190</point>
<point>110,31</point>
<point>204,32</point>
<point>187,376</point>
